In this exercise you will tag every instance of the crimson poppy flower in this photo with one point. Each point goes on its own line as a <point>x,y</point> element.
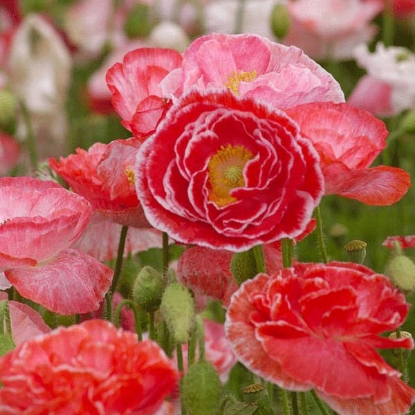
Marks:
<point>227,173</point>
<point>348,141</point>
<point>404,242</point>
<point>40,220</point>
<point>104,176</point>
<point>317,326</point>
<point>90,368</point>
<point>135,85</point>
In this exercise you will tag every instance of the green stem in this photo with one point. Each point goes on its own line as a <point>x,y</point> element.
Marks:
<point>322,408</point>
<point>5,318</point>
<point>134,308</point>
<point>200,336</point>
<point>320,235</point>
<point>259,259</point>
<point>151,330</point>
<point>31,139</point>
<point>286,252</point>
<point>401,364</point>
<point>191,350</point>
<point>166,253</point>
<point>117,272</point>
<point>285,403</point>
<point>388,26</point>
<point>270,389</point>
<point>303,401</point>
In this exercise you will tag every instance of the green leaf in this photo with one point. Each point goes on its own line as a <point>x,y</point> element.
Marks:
<point>6,344</point>
<point>239,408</point>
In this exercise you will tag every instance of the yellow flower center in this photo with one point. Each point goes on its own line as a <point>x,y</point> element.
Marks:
<point>130,175</point>
<point>236,78</point>
<point>225,171</point>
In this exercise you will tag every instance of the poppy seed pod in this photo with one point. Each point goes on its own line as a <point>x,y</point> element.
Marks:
<point>148,289</point>
<point>401,270</point>
<point>280,20</point>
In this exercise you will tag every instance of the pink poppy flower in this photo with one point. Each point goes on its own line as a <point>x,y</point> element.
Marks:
<point>208,271</point>
<point>9,153</point>
<point>90,368</point>
<point>405,242</point>
<point>348,141</point>
<point>331,28</point>
<point>135,85</point>
<point>298,327</point>
<point>227,173</point>
<point>25,321</point>
<point>40,220</point>
<point>104,176</point>
<point>279,75</point>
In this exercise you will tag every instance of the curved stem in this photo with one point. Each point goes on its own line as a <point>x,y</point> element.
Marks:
<point>134,308</point>
<point>286,252</point>
<point>320,235</point>
<point>31,139</point>
<point>259,259</point>
<point>388,26</point>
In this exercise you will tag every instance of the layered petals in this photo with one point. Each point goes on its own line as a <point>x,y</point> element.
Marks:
<point>87,368</point>
<point>72,283</point>
<point>227,173</point>
<point>348,140</point>
<point>322,318</point>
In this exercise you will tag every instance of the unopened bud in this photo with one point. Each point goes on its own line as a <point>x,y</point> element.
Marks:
<point>178,310</point>
<point>148,289</point>
<point>280,21</point>
<point>243,266</point>
<point>201,389</point>
<point>356,250</point>
<point>401,270</point>
<point>407,123</point>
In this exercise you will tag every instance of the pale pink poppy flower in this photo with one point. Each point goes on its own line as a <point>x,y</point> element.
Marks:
<point>25,321</point>
<point>135,85</point>
<point>372,95</point>
<point>88,368</point>
<point>394,66</point>
<point>101,239</point>
<point>39,70</point>
<point>9,153</point>
<point>40,220</point>
<point>104,176</point>
<point>279,75</point>
<point>331,28</point>
<point>348,140</point>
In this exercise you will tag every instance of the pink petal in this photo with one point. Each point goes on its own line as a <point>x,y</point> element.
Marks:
<point>72,283</point>
<point>378,186</point>
<point>404,241</point>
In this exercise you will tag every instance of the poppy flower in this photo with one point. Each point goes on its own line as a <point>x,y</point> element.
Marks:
<point>227,173</point>
<point>9,153</point>
<point>40,220</point>
<point>252,66</point>
<point>318,326</point>
<point>404,242</point>
<point>104,176</point>
<point>90,368</point>
<point>135,87</point>
<point>348,141</point>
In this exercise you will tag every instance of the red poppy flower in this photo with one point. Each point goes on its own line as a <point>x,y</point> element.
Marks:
<point>135,85</point>
<point>227,173</point>
<point>404,242</point>
<point>317,326</point>
<point>348,140</point>
<point>104,176</point>
<point>90,368</point>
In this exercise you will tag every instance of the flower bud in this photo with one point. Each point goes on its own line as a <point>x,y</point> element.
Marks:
<point>137,23</point>
<point>243,266</point>
<point>178,310</point>
<point>8,106</point>
<point>356,250</point>
<point>280,20</point>
<point>148,289</point>
<point>201,389</point>
<point>401,270</point>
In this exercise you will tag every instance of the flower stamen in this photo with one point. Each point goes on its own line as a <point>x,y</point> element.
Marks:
<point>236,78</point>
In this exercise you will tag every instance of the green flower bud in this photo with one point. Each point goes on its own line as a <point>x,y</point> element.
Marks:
<point>243,266</point>
<point>356,250</point>
<point>178,310</point>
<point>201,389</point>
<point>8,106</point>
<point>148,289</point>
<point>280,21</point>
<point>401,270</point>
<point>137,23</point>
